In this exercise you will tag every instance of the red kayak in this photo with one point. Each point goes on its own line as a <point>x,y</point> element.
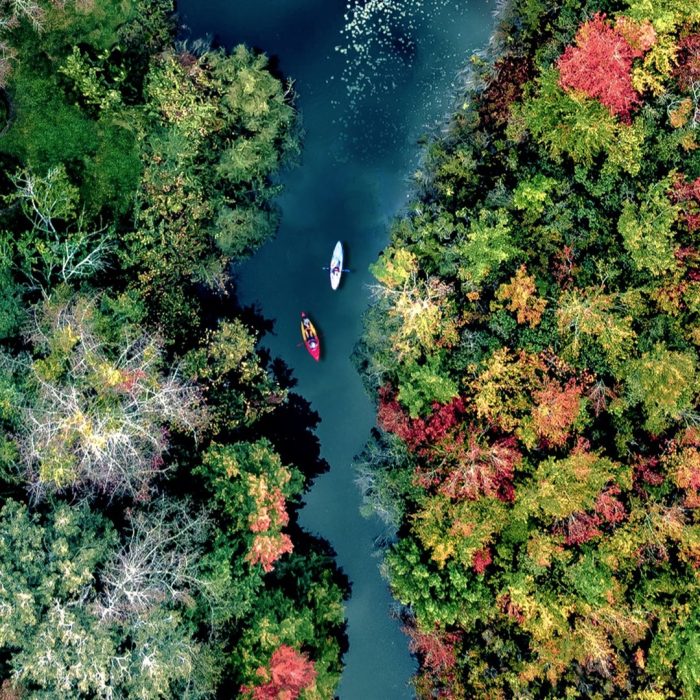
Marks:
<point>310,336</point>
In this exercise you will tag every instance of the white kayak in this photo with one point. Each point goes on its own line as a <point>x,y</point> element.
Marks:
<point>336,265</point>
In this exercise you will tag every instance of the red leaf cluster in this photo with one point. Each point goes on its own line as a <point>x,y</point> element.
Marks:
<point>414,432</point>
<point>646,471</point>
<point>268,548</point>
<point>610,509</point>
<point>481,559</point>
<point>436,649</point>
<point>443,418</point>
<point>687,68</point>
<point>581,527</point>
<point>130,378</point>
<point>600,65</point>
<point>392,418</point>
<point>271,512</point>
<point>478,469</point>
<point>290,672</point>
<point>687,194</point>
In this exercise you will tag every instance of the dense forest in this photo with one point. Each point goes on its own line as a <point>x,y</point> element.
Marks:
<point>533,349</point>
<point>148,480</point>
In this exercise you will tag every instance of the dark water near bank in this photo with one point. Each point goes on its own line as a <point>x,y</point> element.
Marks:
<point>371,76</point>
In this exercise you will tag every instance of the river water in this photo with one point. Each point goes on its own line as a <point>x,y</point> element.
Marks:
<point>371,77</point>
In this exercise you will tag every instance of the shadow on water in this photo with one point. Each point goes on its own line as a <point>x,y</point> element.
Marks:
<point>371,78</point>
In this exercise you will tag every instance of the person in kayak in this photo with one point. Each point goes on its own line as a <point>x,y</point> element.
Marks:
<point>311,338</point>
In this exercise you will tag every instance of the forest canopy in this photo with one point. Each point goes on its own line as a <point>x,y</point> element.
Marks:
<point>533,349</point>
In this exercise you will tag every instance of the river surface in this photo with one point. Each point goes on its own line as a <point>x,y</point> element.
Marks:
<point>371,77</point>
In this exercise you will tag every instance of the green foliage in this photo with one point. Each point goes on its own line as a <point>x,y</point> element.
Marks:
<point>424,385</point>
<point>533,196</point>
<point>152,167</point>
<point>241,476</point>
<point>219,126</point>
<point>57,641</point>
<point>487,245</point>
<point>91,82</point>
<point>683,650</point>
<point>11,311</point>
<point>663,382</point>
<point>647,230</point>
<point>305,611</point>
<point>567,124</point>
<point>239,388</point>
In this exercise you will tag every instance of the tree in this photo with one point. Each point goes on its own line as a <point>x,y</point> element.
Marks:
<point>646,231</point>
<point>425,385</point>
<point>486,245</point>
<point>600,65</point>
<point>159,560</point>
<point>289,673</point>
<point>97,421</point>
<point>663,381</point>
<point>565,124</point>
<point>218,127</point>
<point>249,485</point>
<point>239,388</point>
<point>61,247</point>
<point>55,641</point>
<point>521,295</point>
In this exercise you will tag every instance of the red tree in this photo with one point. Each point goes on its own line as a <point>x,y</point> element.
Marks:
<point>687,194</point>
<point>392,418</point>
<point>414,432</point>
<point>481,559</point>
<point>687,69</point>
<point>599,65</point>
<point>436,649</point>
<point>480,469</point>
<point>290,672</point>
<point>581,527</point>
<point>609,507</point>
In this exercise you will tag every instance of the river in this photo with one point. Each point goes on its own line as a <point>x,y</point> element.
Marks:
<point>371,77</point>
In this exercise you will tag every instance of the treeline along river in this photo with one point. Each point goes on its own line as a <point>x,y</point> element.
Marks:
<point>371,77</point>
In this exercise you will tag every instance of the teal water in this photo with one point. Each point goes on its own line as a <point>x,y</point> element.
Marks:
<point>371,77</point>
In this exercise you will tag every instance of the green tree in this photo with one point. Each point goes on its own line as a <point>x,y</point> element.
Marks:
<point>663,382</point>
<point>646,230</point>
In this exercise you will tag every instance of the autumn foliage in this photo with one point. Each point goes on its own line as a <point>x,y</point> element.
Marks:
<point>687,194</point>
<point>687,68</point>
<point>415,431</point>
<point>548,516</point>
<point>437,651</point>
<point>600,64</point>
<point>474,469</point>
<point>290,672</point>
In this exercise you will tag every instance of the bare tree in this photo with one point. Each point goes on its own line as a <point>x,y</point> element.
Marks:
<point>69,251</point>
<point>7,56</point>
<point>157,564</point>
<point>12,12</point>
<point>100,416</point>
